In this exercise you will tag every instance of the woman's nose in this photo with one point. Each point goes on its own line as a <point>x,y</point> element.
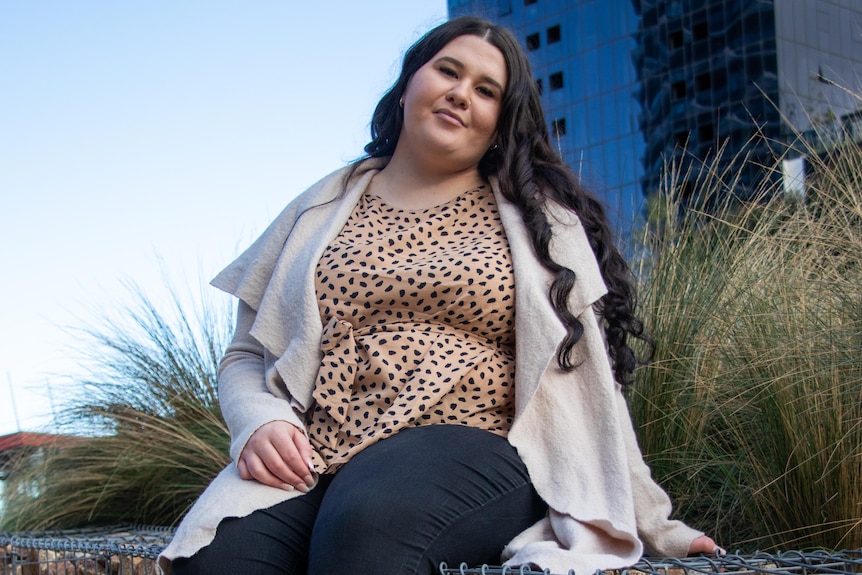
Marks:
<point>458,95</point>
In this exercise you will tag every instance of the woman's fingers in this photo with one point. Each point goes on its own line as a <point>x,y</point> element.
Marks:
<point>305,450</point>
<point>255,469</point>
<point>289,462</point>
<point>705,544</point>
<point>243,470</point>
<point>277,455</point>
<point>268,466</point>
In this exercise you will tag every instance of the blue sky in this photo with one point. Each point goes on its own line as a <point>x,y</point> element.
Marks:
<point>141,141</point>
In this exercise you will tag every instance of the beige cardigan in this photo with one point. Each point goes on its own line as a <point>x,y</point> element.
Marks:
<point>572,429</point>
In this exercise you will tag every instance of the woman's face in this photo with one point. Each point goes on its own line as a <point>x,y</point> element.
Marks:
<point>453,102</point>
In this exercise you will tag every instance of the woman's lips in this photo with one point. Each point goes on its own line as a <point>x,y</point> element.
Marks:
<point>451,117</point>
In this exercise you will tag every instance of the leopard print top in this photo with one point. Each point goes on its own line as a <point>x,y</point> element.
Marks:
<point>418,309</point>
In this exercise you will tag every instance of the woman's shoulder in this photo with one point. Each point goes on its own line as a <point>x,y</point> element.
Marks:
<point>253,266</point>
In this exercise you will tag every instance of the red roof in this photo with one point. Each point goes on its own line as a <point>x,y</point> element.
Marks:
<point>29,439</point>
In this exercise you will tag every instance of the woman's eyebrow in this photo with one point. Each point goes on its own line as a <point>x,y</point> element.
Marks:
<point>460,65</point>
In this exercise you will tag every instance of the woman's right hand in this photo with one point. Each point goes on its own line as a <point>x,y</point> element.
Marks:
<point>278,454</point>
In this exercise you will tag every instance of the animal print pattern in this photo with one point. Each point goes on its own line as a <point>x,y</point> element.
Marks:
<point>418,309</point>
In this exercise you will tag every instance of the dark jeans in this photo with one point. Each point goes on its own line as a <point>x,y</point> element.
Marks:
<point>428,494</point>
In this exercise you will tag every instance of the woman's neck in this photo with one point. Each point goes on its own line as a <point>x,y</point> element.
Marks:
<point>405,185</point>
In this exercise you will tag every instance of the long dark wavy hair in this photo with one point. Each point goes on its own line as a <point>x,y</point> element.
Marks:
<point>531,173</point>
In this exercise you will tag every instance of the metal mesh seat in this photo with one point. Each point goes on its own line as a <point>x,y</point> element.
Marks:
<point>784,563</point>
<point>132,550</point>
<point>114,550</point>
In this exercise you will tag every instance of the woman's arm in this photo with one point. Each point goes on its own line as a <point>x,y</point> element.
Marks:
<point>661,535</point>
<point>268,441</point>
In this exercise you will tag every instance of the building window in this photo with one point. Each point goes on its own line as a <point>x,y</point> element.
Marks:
<point>556,80</point>
<point>553,34</point>
<point>720,83</point>
<point>703,83</point>
<point>558,127</point>
<point>539,86</point>
<point>675,40</point>
<point>754,67</point>
<point>700,31</point>
<point>705,133</point>
<point>741,136</point>
<point>680,139</point>
<point>677,91</point>
<point>533,41</point>
<point>650,17</point>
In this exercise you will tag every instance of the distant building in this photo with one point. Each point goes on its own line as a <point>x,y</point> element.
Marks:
<point>15,446</point>
<point>627,84</point>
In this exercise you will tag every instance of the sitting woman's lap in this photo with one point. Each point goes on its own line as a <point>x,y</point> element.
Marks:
<point>428,494</point>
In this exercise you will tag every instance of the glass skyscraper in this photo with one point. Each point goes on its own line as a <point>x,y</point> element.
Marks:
<point>628,85</point>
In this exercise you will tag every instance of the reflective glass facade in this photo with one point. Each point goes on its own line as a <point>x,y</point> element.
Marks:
<point>627,84</point>
<point>819,48</point>
<point>582,56</point>
<point>708,71</point>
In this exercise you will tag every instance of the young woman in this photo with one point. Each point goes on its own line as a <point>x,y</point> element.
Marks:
<point>429,353</point>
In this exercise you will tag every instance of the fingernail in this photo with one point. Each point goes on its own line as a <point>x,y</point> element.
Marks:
<point>287,487</point>
<point>309,480</point>
<point>310,464</point>
<point>720,551</point>
<point>304,488</point>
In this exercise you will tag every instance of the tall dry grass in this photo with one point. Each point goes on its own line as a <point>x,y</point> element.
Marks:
<point>751,412</point>
<point>149,431</point>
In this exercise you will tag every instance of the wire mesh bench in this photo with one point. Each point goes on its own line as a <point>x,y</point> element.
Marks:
<point>785,563</point>
<point>114,550</point>
<point>132,550</point>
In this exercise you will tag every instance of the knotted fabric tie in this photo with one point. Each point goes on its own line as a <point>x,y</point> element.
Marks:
<point>341,354</point>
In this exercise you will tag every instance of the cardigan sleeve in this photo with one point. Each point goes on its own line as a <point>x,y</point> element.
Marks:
<point>661,535</point>
<point>245,399</point>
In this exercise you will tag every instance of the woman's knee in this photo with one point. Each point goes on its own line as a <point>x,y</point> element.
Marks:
<point>414,496</point>
<point>266,542</point>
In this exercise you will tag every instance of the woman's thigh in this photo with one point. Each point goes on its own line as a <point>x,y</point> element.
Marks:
<point>428,494</point>
<point>270,541</point>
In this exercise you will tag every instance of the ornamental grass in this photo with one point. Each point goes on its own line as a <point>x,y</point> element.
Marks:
<point>150,435</point>
<point>750,413</point>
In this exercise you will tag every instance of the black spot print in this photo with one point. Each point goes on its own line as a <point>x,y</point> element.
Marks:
<point>418,315</point>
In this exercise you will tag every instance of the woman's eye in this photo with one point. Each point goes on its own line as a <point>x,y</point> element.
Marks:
<point>448,71</point>
<point>486,92</point>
